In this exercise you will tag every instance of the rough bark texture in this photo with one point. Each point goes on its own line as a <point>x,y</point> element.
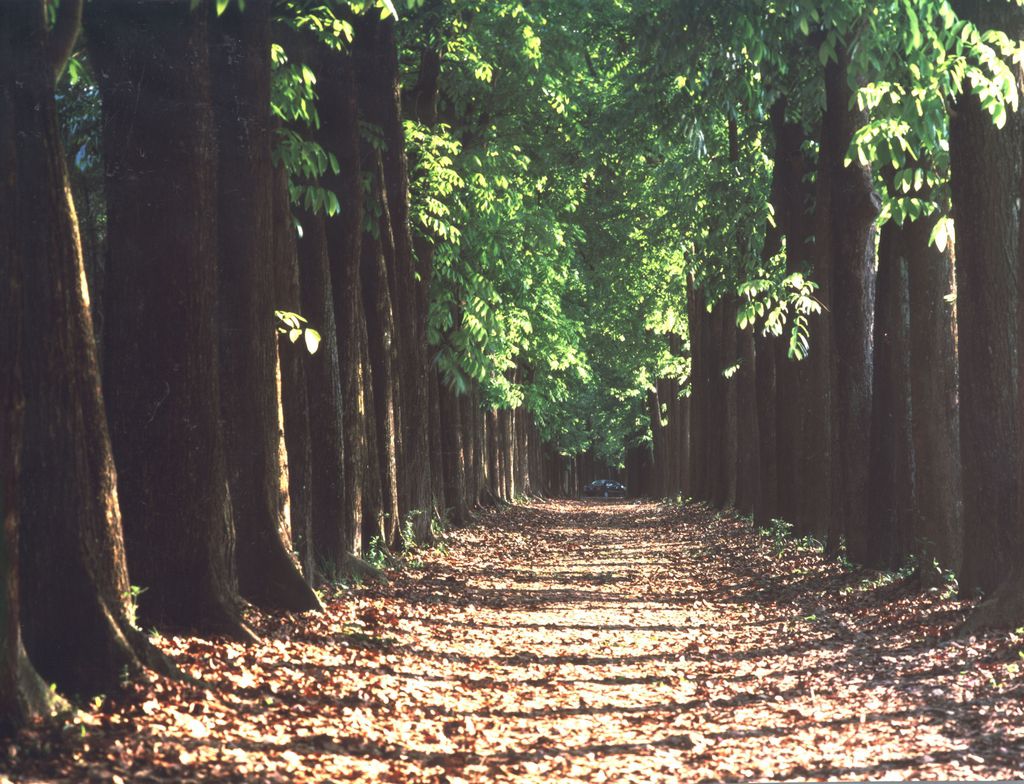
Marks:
<point>340,134</point>
<point>747,448</point>
<point>326,405</point>
<point>985,167</point>
<point>293,358</point>
<point>814,508</point>
<point>791,196</point>
<point>697,322</point>
<point>75,596</point>
<point>714,448</point>
<point>23,694</point>
<point>451,456</point>
<point>891,475</point>
<point>240,64</point>
<point>730,426</point>
<point>377,64</point>
<point>935,414</point>
<point>766,502</point>
<point>161,371</point>
<point>853,248</point>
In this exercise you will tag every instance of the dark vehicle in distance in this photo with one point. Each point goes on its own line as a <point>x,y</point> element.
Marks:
<point>606,488</point>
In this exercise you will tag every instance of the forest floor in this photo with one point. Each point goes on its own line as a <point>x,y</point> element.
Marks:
<point>575,641</point>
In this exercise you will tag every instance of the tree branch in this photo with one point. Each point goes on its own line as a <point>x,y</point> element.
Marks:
<point>61,40</point>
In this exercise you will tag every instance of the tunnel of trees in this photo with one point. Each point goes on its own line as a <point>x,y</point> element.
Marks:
<point>288,281</point>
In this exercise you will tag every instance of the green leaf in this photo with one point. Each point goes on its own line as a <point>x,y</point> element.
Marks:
<point>312,340</point>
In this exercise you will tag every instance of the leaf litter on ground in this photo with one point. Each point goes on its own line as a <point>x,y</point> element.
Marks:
<point>574,641</point>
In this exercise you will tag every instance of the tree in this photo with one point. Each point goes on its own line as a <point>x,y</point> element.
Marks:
<point>161,354</point>
<point>240,66</point>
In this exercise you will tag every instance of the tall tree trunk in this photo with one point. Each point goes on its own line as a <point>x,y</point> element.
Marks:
<point>935,413</point>
<point>699,425</point>
<point>23,694</point>
<point>294,400</point>
<point>891,477</point>
<point>853,293</point>
<point>657,442</point>
<point>326,404</point>
<point>717,405</point>
<point>377,62</point>
<point>451,456</point>
<point>380,328</point>
<point>730,426</point>
<point>814,513</point>
<point>986,169</point>
<point>161,374</point>
<point>339,133</point>
<point>240,64</point>
<point>75,597</point>
<point>748,448</point>
<point>791,195</point>
<point>437,474</point>
<point>493,460</point>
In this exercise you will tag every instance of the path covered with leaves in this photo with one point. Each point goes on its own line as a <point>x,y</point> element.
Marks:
<point>576,641</point>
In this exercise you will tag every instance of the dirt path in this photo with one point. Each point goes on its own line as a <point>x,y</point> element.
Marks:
<point>581,642</point>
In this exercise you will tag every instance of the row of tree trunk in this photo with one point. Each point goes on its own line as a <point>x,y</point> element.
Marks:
<point>897,438</point>
<point>247,469</point>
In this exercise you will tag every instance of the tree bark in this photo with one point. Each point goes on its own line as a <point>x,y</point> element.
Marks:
<point>853,293</point>
<point>791,196</point>
<point>377,64</point>
<point>748,448</point>
<point>935,412</point>
<point>294,400</point>
<point>814,513</point>
<point>339,133</point>
<point>453,469</point>
<point>75,611</point>
<point>890,533</point>
<point>986,169</point>
<point>240,65</point>
<point>331,546</point>
<point>161,371</point>
<point>24,697</point>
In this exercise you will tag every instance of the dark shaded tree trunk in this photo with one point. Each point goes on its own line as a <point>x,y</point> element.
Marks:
<point>935,412</point>
<point>376,57</point>
<point>814,513</point>
<point>731,425</point>
<point>766,502</point>
<point>339,133</point>
<point>717,488</point>
<point>331,546</point>
<point>451,456</point>
<point>657,443</point>
<point>891,476</point>
<point>853,294</point>
<point>986,169</point>
<point>437,475</point>
<point>24,696</point>
<point>698,325</point>
<point>240,64</point>
<point>377,522</point>
<point>748,448</point>
<point>75,598</point>
<point>292,361</point>
<point>491,453</point>
<point>161,374</point>
<point>791,195</point>
<point>380,329</point>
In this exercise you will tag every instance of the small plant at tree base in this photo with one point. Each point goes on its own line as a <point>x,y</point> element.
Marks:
<point>377,554</point>
<point>134,592</point>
